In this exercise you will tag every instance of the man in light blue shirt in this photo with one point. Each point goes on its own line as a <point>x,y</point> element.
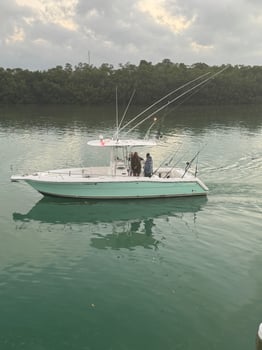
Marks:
<point>148,168</point>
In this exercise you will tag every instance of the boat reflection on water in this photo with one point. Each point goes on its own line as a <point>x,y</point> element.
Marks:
<point>63,211</point>
<point>113,224</point>
<point>129,235</point>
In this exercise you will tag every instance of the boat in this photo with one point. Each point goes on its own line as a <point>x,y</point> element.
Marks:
<point>115,180</point>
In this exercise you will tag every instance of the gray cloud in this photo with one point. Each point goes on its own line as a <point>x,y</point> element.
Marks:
<point>120,31</point>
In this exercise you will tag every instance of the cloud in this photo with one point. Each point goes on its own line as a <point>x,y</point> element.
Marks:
<point>40,34</point>
<point>60,12</point>
<point>161,14</point>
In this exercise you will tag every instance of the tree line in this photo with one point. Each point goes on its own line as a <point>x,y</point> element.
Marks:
<point>87,84</point>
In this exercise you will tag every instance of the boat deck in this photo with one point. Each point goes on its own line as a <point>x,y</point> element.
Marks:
<point>90,172</point>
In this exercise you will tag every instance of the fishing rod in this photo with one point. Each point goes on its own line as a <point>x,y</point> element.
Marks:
<point>170,160</point>
<point>163,98</point>
<point>188,164</point>
<point>174,99</point>
<point>173,167</point>
<point>196,168</point>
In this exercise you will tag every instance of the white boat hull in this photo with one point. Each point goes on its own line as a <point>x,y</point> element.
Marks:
<point>76,184</point>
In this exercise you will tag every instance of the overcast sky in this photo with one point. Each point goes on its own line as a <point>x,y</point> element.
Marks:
<point>40,34</point>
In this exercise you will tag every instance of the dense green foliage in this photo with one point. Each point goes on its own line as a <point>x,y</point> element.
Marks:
<point>87,84</point>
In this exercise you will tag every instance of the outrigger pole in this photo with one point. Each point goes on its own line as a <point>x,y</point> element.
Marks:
<point>169,102</point>
<point>161,99</point>
<point>131,98</point>
<point>117,126</point>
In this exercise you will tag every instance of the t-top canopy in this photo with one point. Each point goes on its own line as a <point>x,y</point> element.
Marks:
<point>121,143</point>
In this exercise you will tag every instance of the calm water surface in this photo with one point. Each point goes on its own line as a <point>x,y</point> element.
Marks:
<point>155,274</point>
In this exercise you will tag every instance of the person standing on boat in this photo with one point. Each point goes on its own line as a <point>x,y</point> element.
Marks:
<point>136,164</point>
<point>148,168</point>
<point>131,155</point>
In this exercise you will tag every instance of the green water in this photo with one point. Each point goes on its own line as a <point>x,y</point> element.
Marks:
<point>125,275</point>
